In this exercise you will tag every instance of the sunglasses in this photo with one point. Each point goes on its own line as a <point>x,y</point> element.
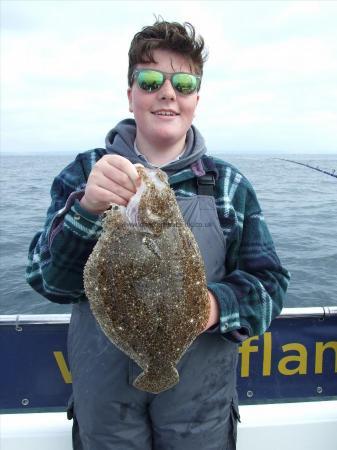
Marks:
<point>150,80</point>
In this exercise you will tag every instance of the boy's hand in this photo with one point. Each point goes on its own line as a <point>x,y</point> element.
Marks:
<point>113,179</point>
<point>214,315</point>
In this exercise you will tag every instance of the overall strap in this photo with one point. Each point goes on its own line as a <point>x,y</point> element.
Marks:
<point>206,184</point>
<point>206,178</point>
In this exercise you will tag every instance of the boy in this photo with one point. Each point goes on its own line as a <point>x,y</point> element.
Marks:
<point>246,281</point>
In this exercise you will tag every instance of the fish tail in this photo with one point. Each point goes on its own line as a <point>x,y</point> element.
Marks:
<point>156,379</point>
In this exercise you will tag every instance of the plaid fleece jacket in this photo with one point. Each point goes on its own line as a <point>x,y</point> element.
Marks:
<point>250,295</point>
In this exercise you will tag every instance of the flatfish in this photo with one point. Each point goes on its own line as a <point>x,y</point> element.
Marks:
<point>146,283</point>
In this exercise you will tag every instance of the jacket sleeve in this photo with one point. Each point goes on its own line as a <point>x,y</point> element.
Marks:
<point>58,253</point>
<point>252,293</point>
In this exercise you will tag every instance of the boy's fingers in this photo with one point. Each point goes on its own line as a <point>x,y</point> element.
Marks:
<point>132,173</point>
<point>124,165</point>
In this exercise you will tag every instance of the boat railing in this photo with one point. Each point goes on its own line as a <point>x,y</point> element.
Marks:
<point>318,312</point>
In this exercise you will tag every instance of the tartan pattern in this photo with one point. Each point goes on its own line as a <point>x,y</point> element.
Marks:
<point>249,297</point>
<point>77,220</point>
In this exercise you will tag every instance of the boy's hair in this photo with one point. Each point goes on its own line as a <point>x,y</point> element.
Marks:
<point>179,38</point>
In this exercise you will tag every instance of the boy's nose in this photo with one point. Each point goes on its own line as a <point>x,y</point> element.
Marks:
<point>167,91</point>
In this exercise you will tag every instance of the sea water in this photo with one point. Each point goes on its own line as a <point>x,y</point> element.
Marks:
<point>299,205</point>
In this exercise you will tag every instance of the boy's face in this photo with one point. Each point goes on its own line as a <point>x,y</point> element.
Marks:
<point>152,128</point>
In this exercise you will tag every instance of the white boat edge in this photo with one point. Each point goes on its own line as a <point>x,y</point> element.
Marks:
<point>282,426</point>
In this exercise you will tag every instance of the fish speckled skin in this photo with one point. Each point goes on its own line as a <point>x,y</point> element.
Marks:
<point>146,283</point>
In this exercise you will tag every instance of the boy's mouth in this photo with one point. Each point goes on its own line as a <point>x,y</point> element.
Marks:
<point>165,112</point>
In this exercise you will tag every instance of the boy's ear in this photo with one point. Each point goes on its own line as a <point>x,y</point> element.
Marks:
<point>130,99</point>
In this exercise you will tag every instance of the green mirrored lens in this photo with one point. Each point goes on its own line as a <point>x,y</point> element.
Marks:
<point>185,83</point>
<point>150,80</point>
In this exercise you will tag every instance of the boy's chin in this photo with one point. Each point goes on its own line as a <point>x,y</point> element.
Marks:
<point>169,137</point>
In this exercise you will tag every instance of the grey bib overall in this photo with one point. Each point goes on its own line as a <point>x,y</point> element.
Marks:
<point>200,412</point>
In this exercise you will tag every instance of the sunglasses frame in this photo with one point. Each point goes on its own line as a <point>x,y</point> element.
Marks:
<point>167,76</point>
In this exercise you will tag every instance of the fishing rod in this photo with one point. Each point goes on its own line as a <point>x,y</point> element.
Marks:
<point>332,174</point>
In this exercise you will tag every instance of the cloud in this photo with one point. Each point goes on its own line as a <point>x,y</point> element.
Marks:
<point>44,57</point>
<point>271,73</point>
<point>297,56</point>
<point>16,19</point>
<point>299,10</point>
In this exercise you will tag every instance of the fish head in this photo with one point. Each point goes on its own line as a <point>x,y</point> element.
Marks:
<point>157,205</point>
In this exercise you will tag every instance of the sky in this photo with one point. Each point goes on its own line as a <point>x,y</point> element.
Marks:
<point>269,85</point>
